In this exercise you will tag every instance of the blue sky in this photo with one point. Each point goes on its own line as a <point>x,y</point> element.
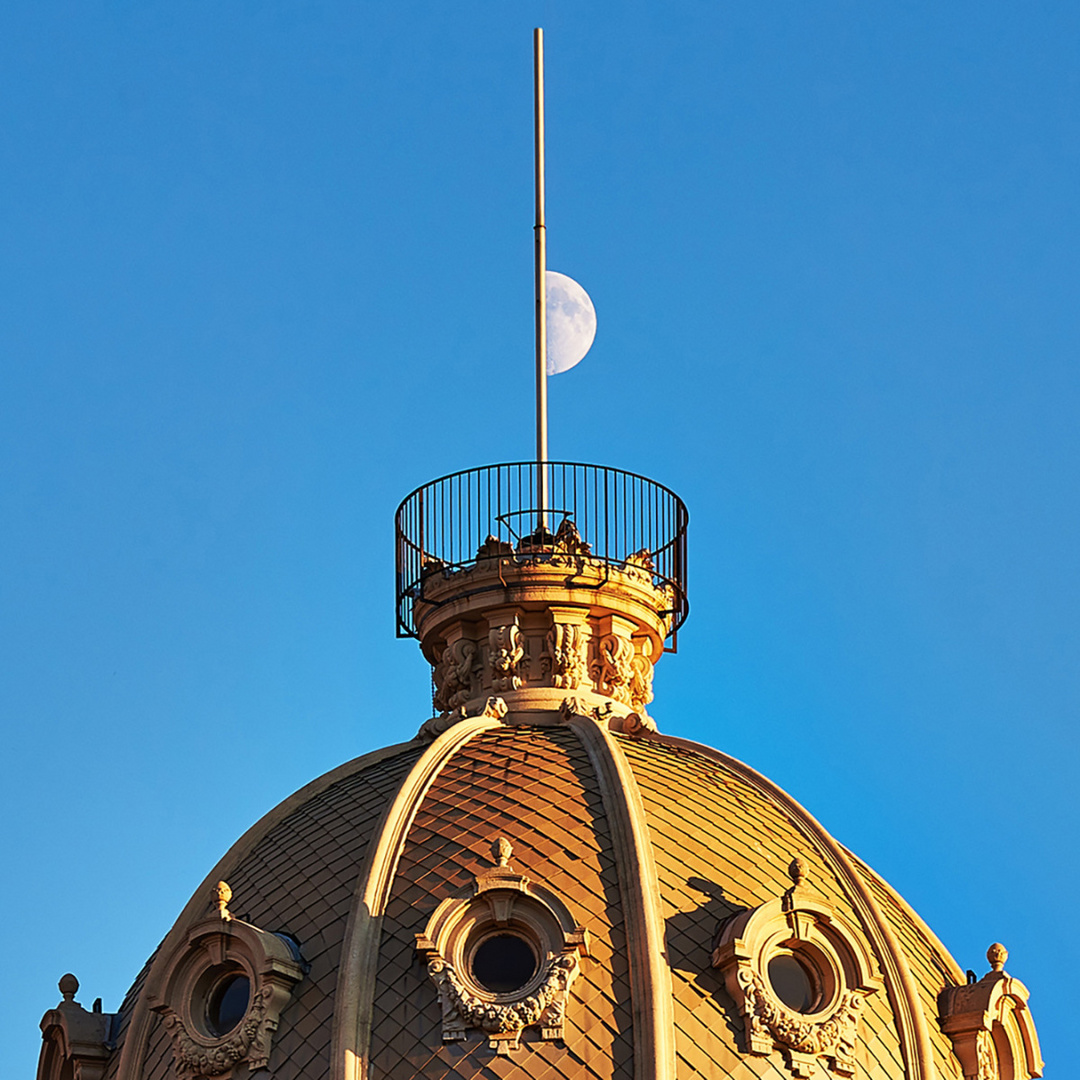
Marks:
<point>266,267</point>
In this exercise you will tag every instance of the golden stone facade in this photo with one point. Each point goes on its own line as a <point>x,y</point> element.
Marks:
<point>541,886</point>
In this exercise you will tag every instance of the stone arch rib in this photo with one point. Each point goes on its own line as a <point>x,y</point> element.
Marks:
<point>899,981</point>
<point>354,1000</point>
<point>650,978</point>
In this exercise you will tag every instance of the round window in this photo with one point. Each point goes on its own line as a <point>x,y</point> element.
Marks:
<point>794,983</point>
<point>227,1004</point>
<point>503,963</point>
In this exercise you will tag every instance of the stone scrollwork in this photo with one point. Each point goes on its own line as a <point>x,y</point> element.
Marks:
<point>564,655</point>
<point>494,709</point>
<point>793,937</point>
<point>503,906</point>
<point>568,540</point>
<point>219,951</point>
<point>612,671</point>
<point>453,675</point>
<point>545,1007</point>
<point>506,651</point>
<point>833,1039</point>
<point>250,1042</point>
<point>641,676</point>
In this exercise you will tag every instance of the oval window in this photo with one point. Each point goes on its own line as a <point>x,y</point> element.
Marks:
<point>503,963</point>
<point>227,1004</point>
<point>793,983</point>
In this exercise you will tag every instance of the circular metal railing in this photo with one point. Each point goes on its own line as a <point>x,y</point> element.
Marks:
<point>445,523</point>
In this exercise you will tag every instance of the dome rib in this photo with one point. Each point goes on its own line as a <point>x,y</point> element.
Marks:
<point>650,978</point>
<point>900,983</point>
<point>351,1039</point>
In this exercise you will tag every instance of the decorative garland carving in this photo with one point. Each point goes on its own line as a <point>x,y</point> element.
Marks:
<point>986,1057</point>
<point>503,902</point>
<point>613,670</point>
<point>546,1006</point>
<point>641,676</point>
<point>506,653</point>
<point>250,1041</point>
<point>454,675</point>
<point>795,925</point>
<point>564,656</point>
<point>213,949</point>
<point>834,1038</point>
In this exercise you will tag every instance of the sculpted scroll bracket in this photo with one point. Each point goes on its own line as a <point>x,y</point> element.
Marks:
<point>506,650</point>
<point>799,977</point>
<point>564,658</point>
<point>494,709</point>
<point>455,675</point>
<point>505,911</point>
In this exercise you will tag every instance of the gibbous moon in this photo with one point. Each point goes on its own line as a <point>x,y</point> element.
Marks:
<point>571,322</point>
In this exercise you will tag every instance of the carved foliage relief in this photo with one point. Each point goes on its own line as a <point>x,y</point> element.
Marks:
<point>217,951</point>
<point>506,651</point>
<point>504,907</point>
<point>612,670</point>
<point>454,675</point>
<point>564,656</point>
<point>799,977</point>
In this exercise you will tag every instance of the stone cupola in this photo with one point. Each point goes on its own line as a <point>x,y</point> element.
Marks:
<point>519,609</point>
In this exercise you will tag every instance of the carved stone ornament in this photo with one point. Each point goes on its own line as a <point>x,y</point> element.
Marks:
<point>454,675</point>
<point>564,655</point>
<point>612,670</point>
<point>802,949</point>
<point>75,1043</point>
<point>503,905</point>
<point>641,675</point>
<point>494,708</point>
<point>990,1024</point>
<point>219,951</point>
<point>506,651</point>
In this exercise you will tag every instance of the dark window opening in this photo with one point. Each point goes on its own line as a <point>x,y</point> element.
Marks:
<point>792,983</point>
<point>504,963</point>
<point>228,1004</point>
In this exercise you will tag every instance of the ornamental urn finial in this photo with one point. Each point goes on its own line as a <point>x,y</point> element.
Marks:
<point>502,850</point>
<point>222,895</point>
<point>997,954</point>
<point>798,871</point>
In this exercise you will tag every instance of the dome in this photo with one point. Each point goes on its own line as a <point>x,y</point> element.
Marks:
<point>541,884</point>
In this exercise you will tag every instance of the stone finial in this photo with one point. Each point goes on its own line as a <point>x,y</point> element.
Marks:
<point>798,871</point>
<point>68,986</point>
<point>997,954</point>
<point>222,895</point>
<point>502,849</point>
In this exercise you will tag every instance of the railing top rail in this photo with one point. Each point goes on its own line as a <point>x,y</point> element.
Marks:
<point>618,512</point>
<point>550,464</point>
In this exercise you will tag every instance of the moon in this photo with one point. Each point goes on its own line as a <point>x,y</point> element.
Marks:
<point>571,322</point>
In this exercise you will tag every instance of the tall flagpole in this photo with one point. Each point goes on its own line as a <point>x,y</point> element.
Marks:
<point>540,233</point>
